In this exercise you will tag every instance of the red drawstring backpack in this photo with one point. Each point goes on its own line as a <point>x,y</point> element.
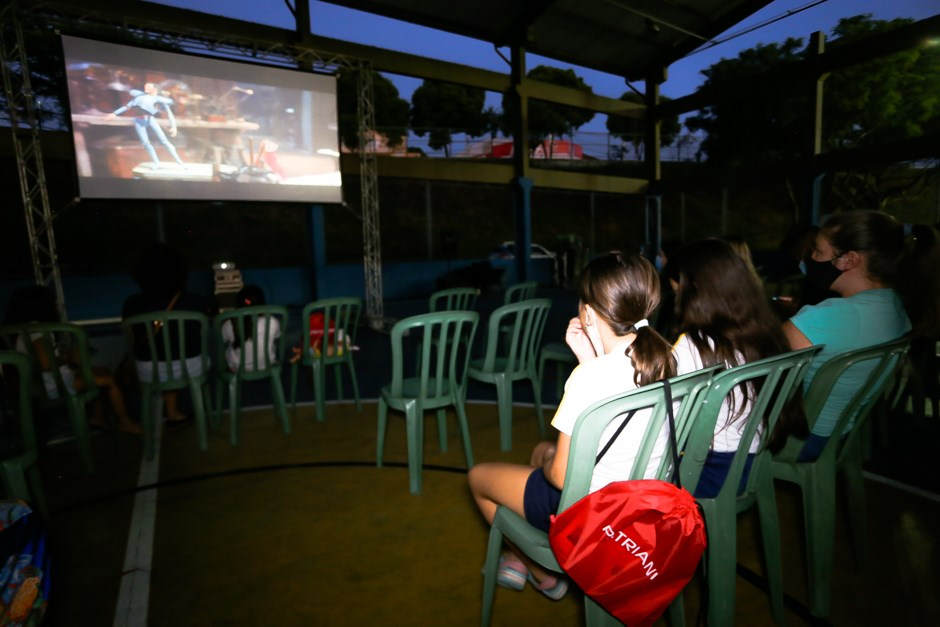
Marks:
<point>632,545</point>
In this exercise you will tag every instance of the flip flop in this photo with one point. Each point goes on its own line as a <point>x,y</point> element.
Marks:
<point>511,574</point>
<point>555,588</point>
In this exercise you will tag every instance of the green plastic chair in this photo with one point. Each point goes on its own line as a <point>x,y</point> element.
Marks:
<point>585,439</point>
<point>519,292</point>
<point>779,378</point>
<point>454,299</point>
<point>259,318</point>
<point>817,479</point>
<point>162,334</point>
<point>54,337</point>
<point>565,361</point>
<point>440,381</point>
<point>19,467</point>
<point>505,362</point>
<point>341,315</point>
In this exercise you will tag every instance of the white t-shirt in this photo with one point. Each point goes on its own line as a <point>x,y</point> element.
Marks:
<point>595,380</point>
<point>727,436</point>
<point>233,354</point>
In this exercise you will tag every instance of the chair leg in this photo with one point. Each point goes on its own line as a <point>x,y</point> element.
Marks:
<point>234,410</point>
<point>414,429</point>
<point>675,613</point>
<point>280,407</point>
<point>597,616</point>
<point>380,436</point>
<point>442,429</point>
<point>464,432</point>
<point>770,535</point>
<point>294,367</point>
<point>537,397</point>
<point>720,564</point>
<point>851,467</point>
<point>82,438</point>
<point>199,408</point>
<point>494,548</point>
<point>147,420</point>
<point>219,404</point>
<point>338,376</point>
<point>355,384</point>
<point>504,404</point>
<point>819,513</point>
<point>319,389</point>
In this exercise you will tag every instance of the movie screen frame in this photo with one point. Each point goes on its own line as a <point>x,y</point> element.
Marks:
<point>150,124</point>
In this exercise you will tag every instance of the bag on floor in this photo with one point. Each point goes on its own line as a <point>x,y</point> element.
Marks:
<point>632,546</point>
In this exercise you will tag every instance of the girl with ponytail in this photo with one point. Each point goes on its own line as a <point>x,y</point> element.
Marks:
<point>725,318</point>
<point>617,351</point>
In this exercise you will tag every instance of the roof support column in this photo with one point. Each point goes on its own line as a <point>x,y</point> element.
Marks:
<point>521,183</point>
<point>651,143</point>
<point>817,46</point>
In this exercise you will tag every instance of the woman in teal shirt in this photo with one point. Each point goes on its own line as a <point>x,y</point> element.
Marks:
<point>887,285</point>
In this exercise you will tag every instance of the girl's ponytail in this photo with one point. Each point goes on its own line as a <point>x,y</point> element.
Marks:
<point>651,355</point>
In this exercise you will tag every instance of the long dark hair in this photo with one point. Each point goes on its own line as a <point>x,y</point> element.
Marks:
<point>721,306</point>
<point>622,290</point>
<point>909,264</point>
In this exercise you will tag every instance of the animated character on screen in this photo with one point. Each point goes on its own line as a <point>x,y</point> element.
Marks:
<point>146,105</point>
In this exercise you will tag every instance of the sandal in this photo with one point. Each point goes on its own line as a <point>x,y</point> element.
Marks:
<point>555,588</point>
<point>512,573</point>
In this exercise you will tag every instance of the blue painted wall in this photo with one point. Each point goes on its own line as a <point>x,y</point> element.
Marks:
<point>90,297</point>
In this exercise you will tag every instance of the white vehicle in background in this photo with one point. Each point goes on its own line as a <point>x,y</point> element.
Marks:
<point>507,250</point>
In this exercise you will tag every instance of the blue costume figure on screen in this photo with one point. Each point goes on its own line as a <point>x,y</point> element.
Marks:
<point>146,105</point>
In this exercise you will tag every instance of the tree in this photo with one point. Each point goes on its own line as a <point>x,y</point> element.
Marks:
<point>887,99</point>
<point>758,125</point>
<point>438,109</point>
<point>391,111</point>
<point>548,119</point>
<point>633,130</point>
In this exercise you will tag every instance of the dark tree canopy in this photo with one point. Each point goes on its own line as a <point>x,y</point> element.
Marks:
<point>391,111</point>
<point>438,109</point>
<point>884,100</point>
<point>633,130</point>
<point>548,118</point>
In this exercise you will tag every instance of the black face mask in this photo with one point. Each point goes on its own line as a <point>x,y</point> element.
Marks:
<point>821,274</point>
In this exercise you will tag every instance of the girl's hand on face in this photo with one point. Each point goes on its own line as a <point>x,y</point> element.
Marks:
<point>576,337</point>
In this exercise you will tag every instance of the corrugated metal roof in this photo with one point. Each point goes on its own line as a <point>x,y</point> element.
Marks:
<point>630,38</point>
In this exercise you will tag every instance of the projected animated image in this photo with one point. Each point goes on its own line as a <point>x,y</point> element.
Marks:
<point>144,128</point>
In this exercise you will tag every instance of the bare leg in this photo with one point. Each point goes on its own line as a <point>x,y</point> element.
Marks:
<point>497,484</point>
<point>104,379</point>
<point>169,402</point>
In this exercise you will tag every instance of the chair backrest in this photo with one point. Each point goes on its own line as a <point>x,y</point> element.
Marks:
<point>771,383</point>
<point>454,299</point>
<point>263,321</point>
<point>519,292</point>
<point>586,436</point>
<point>339,316</point>
<point>522,325</point>
<point>444,340</point>
<point>164,336</point>
<point>15,370</point>
<point>45,343</point>
<point>883,359</point>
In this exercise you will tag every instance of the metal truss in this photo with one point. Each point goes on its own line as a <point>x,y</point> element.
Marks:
<point>368,180</point>
<point>106,23</point>
<point>24,127</point>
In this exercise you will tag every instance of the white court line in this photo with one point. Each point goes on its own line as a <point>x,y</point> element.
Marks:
<point>133,602</point>
<point>902,486</point>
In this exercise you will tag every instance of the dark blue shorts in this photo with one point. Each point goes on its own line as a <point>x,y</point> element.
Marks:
<point>540,500</point>
<point>714,472</point>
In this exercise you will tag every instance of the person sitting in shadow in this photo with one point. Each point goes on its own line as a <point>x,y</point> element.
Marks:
<point>161,273</point>
<point>36,303</point>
